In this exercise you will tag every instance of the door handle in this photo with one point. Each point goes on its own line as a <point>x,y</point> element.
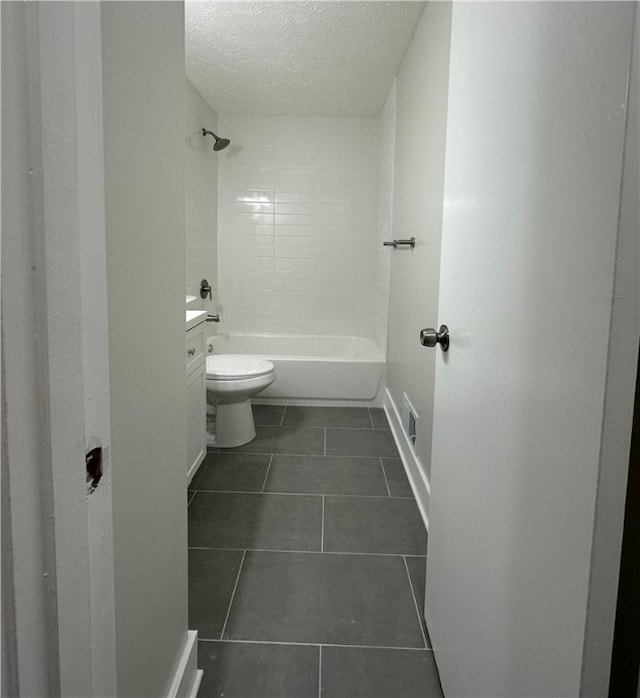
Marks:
<point>430,337</point>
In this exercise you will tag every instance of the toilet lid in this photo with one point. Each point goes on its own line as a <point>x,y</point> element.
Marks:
<point>235,366</point>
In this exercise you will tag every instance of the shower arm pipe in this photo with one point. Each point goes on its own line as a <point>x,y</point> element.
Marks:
<point>220,143</point>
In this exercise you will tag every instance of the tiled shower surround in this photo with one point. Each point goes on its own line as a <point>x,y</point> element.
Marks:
<point>298,226</point>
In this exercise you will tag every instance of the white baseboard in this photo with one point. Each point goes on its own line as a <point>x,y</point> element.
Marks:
<point>412,464</point>
<point>191,473</point>
<point>186,680</point>
<point>193,693</point>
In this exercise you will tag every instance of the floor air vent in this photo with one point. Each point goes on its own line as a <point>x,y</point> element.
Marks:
<point>409,419</point>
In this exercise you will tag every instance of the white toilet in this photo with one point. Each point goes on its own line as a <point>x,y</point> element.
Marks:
<point>232,379</point>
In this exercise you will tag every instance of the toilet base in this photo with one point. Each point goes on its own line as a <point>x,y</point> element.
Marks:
<point>234,424</point>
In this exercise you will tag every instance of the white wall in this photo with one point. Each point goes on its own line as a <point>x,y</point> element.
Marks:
<point>298,225</point>
<point>385,219</point>
<point>201,196</point>
<point>143,69</point>
<point>421,112</point>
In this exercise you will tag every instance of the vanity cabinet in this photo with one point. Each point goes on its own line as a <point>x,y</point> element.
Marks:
<point>196,400</point>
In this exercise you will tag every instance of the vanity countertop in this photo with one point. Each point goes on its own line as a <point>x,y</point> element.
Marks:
<point>195,317</point>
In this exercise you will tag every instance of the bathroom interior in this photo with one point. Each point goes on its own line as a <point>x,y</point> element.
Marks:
<point>289,249</point>
<point>318,228</point>
<point>328,183</point>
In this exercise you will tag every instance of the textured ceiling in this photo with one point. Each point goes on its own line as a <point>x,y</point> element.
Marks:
<point>297,58</point>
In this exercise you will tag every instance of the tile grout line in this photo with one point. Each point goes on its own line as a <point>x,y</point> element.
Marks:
<point>373,426</point>
<point>306,425</point>
<point>309,552</point>
<point>266,476</point>
<point>305,453</point>
<point>193,494</point>
<point>303,494</point>
<point>325,441</point>
<point>384,474</point>
<point>296,494</point>
<point>320,672</point>
<point>233,593</point>
<point>415,603</point>
<point>322,533</point>
<point>313,426</point>
<point>278,453</point>
<point>284,411</point>
<point>313,644</point>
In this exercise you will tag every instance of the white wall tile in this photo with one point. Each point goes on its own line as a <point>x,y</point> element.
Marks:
<point>305,208</point>
<point>349,221</point>
<point>296,196</point>
<point>294,285</point>
<point>308,241</point>
<point>300,219</point>
<point>297,230</point>
<point>299,225</point>
<point>252,178</point>
<point>296,181</point>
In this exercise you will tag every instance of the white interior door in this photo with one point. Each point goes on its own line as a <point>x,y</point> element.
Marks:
<point>534,160</point>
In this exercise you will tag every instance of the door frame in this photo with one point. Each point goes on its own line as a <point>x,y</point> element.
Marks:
<point>57,547</point>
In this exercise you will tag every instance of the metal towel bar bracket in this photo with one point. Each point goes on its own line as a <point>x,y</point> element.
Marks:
<point>411,242</point>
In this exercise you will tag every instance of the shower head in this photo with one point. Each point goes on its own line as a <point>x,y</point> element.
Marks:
<point>220,144</point>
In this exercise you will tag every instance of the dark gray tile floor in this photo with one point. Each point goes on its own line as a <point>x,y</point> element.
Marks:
<point>307,562</point>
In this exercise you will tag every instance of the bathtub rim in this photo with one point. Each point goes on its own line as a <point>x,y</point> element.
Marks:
<point>378,357</point>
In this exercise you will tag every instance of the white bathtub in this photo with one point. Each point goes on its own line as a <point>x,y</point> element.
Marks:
<point>314,369</point>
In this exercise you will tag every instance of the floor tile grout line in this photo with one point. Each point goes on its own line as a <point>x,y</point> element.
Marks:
<point>288,494</point>
<point>285,453</point>
<point>360,429</point>
<point>238,641</point>
<point>303,494</point>
<point>322,533</point>
<point>284,411</point>
<point>320,671</point>
<point>384,474</point>
<point>266,476</point>
<point>278,453</point>
<point>320,426</point>
<point>233,594</point>
<point>308,552</point>
<point>415,603</point>
<point>327,426</point>
<point>325,442</point>
<point>311,455</point>
<point>373,426</point>
<point>193,494</point>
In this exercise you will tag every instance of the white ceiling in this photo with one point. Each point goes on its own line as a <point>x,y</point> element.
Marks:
<point>297,58</point>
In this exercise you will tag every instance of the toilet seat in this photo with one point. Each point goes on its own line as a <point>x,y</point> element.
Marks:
<point>230,367</point>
